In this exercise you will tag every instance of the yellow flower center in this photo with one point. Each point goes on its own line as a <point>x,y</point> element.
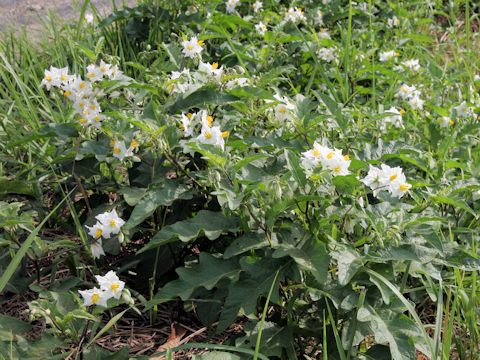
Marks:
<point>96,118</point>
<point>189,115</point>
<point>208,135</point>
<point>316,152</point>
<point>93,106</point>
<point>48,78</point>
<point>200,42</point>
<point>113,223</point>
<point>451,122</point>
<point>225,134</point>
<point>82,85</point>
<point>393,177</point>
<point>98,233</point>
<point>67,93</point>
<point>116,150</point>
<point>63,77</point>
<point>114,287</point>
<point>404,187</point>
<point>215,65</point>
<point>282,109</point>
<point>82,121</point>
<point>337,169</point>
<point>95,297</point>
<point>402,111</point>
<point>81,104</point>
<point>103,69</point>
<point>346,157</point>
<point>134,144</point>
<point>190,47</point>
<point>330,155</point>
<point>210,120</point>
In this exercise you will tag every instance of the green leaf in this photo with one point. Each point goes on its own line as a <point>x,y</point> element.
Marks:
<point>247,242</point>
<point>398,332</point>
<point>455,202</point>
<point>348,262</point>
<point>312,257</point>
<point>346,184</point>
<point>293,164</point>
<point>156,197</point>
<point>206,273</point>
<point>11,186</point>
<point>256,282</point>
<point>10,326</point>
<point>209,223</point>
<point>200,98</point>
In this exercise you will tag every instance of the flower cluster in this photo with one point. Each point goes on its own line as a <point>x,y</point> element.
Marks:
<point>120,150</point>
<point>394,117</point>
<point>295,15</point>
<point>82,92</point>
<point>108,224</point>
<point>331,159</point>
<point>412,95</point>
<point>110,287</point>
<point>203,122</point>
<point>387,178</point>
<point>388,55</point>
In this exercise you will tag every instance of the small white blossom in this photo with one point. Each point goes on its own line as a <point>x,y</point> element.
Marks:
<point>388,55</point>
<point>94,296</point>
<point>261,28</point>
<point>326,54</point>
<point>192,47</point>
<point>111,221</point>
<point>257,6</point>
<point>295,15</point>
<point>111,284</point>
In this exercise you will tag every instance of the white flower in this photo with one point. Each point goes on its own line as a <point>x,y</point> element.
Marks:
<point>56,77</point>
<point>284,110</point>
<point>94,296</point>
<point>406,92</point>
<point>111,221</point>
<point>94,73</point>
<point>120,151</point>
<point>445,121</point>
<point>312,158</point>
<point>374,180</point>
<point>213,136</point>
<point>463,110</point>
<point>231,5</point>
<point>412,64</point>
<point>388,55</point>
<point>295,15</point>
<point>398,189</point>
<point>97,249</point>
<point>326,54</point>
<point>192,47</point>
<point>323,34</point>
<point>187,124</point>
<point>237,82</point>
<point>88,18</point>
<point>395,117</point>
<point>96,231</point>
<point>416,103</point>
<point>336,162</point>
<point>257,6</point>
<point>387,178</point>
<point>319,18</point>
<point>211,70</point>
<point>393,22</point>
<point>111,284</point>
<point>261,28</point>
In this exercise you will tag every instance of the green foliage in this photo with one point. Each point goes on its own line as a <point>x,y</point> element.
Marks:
<point>246,197</point>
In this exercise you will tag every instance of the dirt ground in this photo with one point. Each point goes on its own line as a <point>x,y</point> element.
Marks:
<point>30,13</point>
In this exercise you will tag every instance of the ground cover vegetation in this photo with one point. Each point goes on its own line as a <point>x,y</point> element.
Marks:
<point>259,179</point>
